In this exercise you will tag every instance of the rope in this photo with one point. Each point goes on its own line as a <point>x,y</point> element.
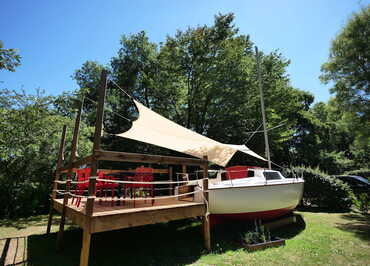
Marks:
<point>128,199</point>
<point>282,167</point>
<point>251,136</point>
<point>118,114</point>
<point>268,129</point>
<point>60,192</point>
<point>72,182</point>
<point>135,182</point>
<point>164,197</point>
<point>121,89</point>
<point>71,194</point>
<point>80,182</point>
<point>186,173</point>
<point>207,204</point>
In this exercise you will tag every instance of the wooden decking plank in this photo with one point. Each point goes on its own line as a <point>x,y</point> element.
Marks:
<point>77,216</point>
<point>124,220</point>
<point>106,217</point>
<point>5,251</point>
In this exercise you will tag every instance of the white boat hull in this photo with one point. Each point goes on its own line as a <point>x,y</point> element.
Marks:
<point>264,201</point>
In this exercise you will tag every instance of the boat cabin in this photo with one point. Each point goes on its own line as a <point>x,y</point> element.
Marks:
<point>231,173</point>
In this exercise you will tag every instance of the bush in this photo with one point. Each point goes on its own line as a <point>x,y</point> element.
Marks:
<point>321,190</point>
<point>364,172</point>
<point>363,203</point>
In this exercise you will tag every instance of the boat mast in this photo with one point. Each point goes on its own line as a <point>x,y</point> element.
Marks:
<point>267,149</point>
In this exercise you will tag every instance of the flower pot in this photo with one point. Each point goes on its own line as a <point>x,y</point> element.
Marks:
<point>275,242</point>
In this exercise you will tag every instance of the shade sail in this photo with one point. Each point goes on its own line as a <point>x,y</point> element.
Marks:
<point>155,129</point>
<point>246,150</point>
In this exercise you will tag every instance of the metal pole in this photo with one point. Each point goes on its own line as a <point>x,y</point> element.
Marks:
<point>267,149</point>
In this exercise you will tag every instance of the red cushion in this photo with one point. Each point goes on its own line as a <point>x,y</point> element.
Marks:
<point>238,171</point>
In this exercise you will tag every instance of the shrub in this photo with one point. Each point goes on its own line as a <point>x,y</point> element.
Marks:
<point>364,172</point>
<point>363,202</point>
<point>321,190</point>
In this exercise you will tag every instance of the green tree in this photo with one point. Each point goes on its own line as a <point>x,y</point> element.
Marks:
<point>204,78</point>
<point>9,58</point>
<point>348,68</point>
<point>349,65</point>
<point>29,139</point>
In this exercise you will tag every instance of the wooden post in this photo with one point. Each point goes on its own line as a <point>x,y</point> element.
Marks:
<point>85,250</point>
<point>69,176</point>
<point>57,175</point>
<point>97,141</point>
<point>170,175</point>
<point>184,168</point>
<point>86,238</point>
<point>206,218</point>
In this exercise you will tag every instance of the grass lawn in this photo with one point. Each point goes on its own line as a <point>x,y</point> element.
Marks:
<point>320,238</point>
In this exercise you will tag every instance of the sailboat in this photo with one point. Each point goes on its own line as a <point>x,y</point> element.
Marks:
<point>248,193</point>
<point>262,194</point>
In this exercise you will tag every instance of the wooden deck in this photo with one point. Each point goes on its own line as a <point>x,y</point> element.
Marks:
<point>106,217</point>
<point>95,217</point>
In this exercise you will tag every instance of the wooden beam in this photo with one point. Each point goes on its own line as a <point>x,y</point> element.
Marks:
<point>85,249</point>
<point>120,220</point>
<point>170,177</point>
<point>73,214</point>
<point>145,158</point>
<point>97,142</point>
<point>69,176</point>
<point>88,159</point>
<point>76,164</point>
<point>132,171</point>
<point>206,219</point>
<point>57,175</point>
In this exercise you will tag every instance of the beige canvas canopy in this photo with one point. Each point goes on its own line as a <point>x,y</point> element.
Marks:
<point>155,129</point>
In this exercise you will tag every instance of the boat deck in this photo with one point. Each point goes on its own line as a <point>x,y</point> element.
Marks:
<point>107,217</point>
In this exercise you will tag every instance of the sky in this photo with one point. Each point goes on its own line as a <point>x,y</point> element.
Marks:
<point>55,38</point>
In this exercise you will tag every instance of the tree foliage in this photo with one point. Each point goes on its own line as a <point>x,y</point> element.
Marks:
<point>29,140</point>
<point>9,58</point>
<point>349,65</point>
<point>203,78</point>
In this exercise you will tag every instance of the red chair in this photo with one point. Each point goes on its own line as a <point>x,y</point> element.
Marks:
<point>82,176</point>
<point>102,187</point>
<point>143,174</point>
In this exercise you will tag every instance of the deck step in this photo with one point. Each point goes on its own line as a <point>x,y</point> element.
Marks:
<point>13,251</point>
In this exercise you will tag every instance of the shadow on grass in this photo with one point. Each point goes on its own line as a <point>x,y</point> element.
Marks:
<point>359,224</point>
<point>228,235</point>
<point>22,223</point>
<point>173,243</point>
<point>319,209</point>
<point>293,230</point>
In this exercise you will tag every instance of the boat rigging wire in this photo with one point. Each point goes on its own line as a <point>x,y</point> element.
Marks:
<point>261,131</point>
<point>251,136</point>
<point>121,89</point>
<point>108,109</point>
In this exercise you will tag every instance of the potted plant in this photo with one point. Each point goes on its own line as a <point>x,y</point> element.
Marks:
<point>260,238</point>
